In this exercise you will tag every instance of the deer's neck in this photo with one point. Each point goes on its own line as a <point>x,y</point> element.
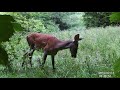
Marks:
<point>63,44</point>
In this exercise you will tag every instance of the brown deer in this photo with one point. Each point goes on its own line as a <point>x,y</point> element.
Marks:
<point>50,45</point>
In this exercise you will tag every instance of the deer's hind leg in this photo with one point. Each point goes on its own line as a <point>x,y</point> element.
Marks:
<point>29,54</point>
<point>32,49</point>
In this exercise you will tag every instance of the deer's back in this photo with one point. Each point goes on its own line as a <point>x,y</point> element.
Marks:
<point>43,41</point>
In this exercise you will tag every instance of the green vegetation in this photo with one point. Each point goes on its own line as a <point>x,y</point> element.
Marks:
<point>96,19</point>
<point>115,17</point>
<point>98,53</point>
<point>7,28</point>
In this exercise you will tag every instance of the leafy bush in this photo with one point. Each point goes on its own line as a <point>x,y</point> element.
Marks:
<point>7,26</point>
<point>96,19</point>
<point>115,18</point>
<point>49,21</point>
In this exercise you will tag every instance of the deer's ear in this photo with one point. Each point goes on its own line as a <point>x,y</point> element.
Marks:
<point>76,38</point>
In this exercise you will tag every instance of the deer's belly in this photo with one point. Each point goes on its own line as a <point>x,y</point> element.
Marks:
<point>51,51</point>
<point>40,45</point>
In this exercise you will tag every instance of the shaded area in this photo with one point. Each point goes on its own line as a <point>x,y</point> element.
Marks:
<point>7,28</point>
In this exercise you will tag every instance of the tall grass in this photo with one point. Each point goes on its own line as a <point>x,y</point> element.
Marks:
<point>96,56</point>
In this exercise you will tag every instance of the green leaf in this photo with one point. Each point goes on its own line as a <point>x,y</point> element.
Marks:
<point>6,27</point>
<point>17,27</point>
<point>115,17</point>
<point>3,56</point>
<point>117,68</point>
<point>4,59</point>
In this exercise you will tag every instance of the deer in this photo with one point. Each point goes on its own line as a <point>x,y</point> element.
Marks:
<point>50,45</point>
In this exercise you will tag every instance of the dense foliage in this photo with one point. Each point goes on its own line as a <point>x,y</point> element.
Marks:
<point>7,28</point>
<point>58,21</point>
<point>96,19</point>
<point>98,53</point>
<point>115,18</point>
<point>49,21</point>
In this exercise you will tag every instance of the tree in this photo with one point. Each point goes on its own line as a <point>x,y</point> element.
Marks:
<point>96,19</point>
<point>48,21</point>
